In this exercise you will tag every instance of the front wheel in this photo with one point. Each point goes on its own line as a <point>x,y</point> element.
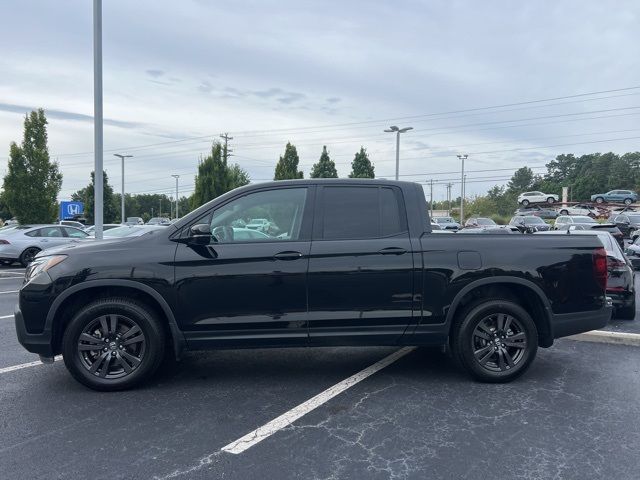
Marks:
<point>28,255</point>
<point>113,344</point>
<point>551,200</point>
<point>495,340</point>
<point>628,201</point>
<point>564,212</point>
<point>599,200</point>
<point>525,202</point>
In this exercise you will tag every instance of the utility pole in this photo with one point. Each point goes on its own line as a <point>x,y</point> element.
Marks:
<point>431,199</point>
<point>226,152</point>
<point>122,157</point>
<point>398,131</point>
<point>462,177</point>
<point>97,118</point>
<point>177,197</point>
<point>160,211</point>
<point>449,185</point>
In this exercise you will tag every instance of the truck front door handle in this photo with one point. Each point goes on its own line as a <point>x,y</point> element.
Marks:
<point>392,251</point>
<point>288,255</point>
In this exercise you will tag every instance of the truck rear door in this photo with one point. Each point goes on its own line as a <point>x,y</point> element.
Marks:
<point>360,281</point>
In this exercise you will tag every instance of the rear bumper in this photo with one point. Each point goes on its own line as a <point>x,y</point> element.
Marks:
<point>39,343</point>
<point>571,323</point>
<point>621,299</point>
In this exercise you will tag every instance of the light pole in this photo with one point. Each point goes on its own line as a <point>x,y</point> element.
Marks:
<point>122,157</point>
<point>177,197</point>
<point>398,131</point>
<point>97,117</point>
<point>463,158</point>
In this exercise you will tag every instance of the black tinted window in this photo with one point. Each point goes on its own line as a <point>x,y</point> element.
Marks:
<point>361,212</point>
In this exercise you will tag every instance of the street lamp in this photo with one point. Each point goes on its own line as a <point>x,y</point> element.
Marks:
<point>177,198</point>
<point>463,158</point>
<point>122,157</point>
<point>398,131</point>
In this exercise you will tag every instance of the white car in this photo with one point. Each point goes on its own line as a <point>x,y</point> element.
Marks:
<point>527,198</point>
<point>580,209</point>
<point>23,242</point>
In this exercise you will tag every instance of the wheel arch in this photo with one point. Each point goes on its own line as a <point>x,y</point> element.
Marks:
<point>72,299</point>
<point>524,292</point>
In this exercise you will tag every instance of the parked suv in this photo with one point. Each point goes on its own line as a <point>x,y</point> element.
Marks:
<point>537,197</point>
<point>625,196</point>
<point>628,223</point>
<point>579,209</point>
<point>529,224</point>
<point>480,222</point>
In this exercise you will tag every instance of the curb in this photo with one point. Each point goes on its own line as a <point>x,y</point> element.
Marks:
<point>600,336</point>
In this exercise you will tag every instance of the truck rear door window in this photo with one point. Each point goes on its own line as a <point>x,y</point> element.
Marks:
<point>361,212</point>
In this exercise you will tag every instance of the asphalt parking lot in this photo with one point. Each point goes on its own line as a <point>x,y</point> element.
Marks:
<point>575,414</point>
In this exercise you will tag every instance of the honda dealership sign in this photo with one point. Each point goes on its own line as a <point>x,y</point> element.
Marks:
<point>71,210</point>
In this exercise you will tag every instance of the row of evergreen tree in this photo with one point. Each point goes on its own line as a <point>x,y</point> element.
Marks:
<point>33,182</point>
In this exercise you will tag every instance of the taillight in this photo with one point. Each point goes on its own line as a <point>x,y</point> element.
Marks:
<point>616,264</point>
<point>600,267</point>
<point>4,242</point>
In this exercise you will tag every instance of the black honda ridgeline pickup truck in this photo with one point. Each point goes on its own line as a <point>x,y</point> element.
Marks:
<point>313,263</point>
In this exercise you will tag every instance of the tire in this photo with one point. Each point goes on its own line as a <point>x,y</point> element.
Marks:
<point>472,343</point>
<point>525,202</point>
<point>626,313</point>
<point>551,200</point>
<point>599,200</point>
<point>27,256</point>
<point>127,359</point>
<point>564,212</point>
<point>628,201</point>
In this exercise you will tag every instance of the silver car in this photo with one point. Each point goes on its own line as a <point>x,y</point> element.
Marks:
<point>123,231</point>
<point>25,241</point>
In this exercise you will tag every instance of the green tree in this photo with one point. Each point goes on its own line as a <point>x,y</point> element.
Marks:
<point>325,168</point>
<point>33,182</point>
<point>287,167</point>
<point>110,209</point>
<point>216,177</point>
<point>521,181</point>
<point>5,213</point>
<point>361,167</point>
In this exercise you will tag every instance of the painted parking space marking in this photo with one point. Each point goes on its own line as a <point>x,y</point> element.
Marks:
<point>9,291</point>
<point>6,316</point>
<point>287,418</point>
<point>13,368</point>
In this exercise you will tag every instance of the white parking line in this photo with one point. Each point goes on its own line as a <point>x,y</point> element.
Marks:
<point>6,316</point>
<point>9,291</point>
<point>13,368</point>
<point>287,418</point>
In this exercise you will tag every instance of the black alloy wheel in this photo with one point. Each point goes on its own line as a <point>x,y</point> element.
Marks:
<point>28,255</point>
<point>113,344</point>
<point>499,342</point>
<point>494,340</point>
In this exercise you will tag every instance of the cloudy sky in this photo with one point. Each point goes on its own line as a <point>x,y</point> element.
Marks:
<point>509,83</point>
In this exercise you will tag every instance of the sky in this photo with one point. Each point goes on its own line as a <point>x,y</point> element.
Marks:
<point>508,83</point>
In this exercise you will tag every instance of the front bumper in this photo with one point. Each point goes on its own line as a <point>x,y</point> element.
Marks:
<point>39,343</point>
<point>567,324</point>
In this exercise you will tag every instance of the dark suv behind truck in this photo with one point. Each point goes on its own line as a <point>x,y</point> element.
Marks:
<point>347,262</point>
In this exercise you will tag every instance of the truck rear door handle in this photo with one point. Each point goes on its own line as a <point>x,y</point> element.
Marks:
<point>392,251</point>
<point>288,255</point>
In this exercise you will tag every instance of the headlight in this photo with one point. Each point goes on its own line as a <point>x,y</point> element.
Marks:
<point>42,264</point>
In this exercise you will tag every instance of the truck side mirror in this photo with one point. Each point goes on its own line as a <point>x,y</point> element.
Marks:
<point>200,234</point>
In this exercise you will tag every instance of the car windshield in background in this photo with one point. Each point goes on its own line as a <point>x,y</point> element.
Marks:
<point>583,219</point>
<point>128,231</point>
<point>486,222</point>
<point>444,220</point>
<point>534,221</point>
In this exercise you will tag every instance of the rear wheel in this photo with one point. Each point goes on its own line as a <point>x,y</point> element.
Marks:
<point>628,312</point>
<point>599,200</point>
<point>495,341</point>
<point>628,201</point>
<point>28,255</point>
<point>525,202</point>
<point>113,344</point>
<point>564,212</point>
